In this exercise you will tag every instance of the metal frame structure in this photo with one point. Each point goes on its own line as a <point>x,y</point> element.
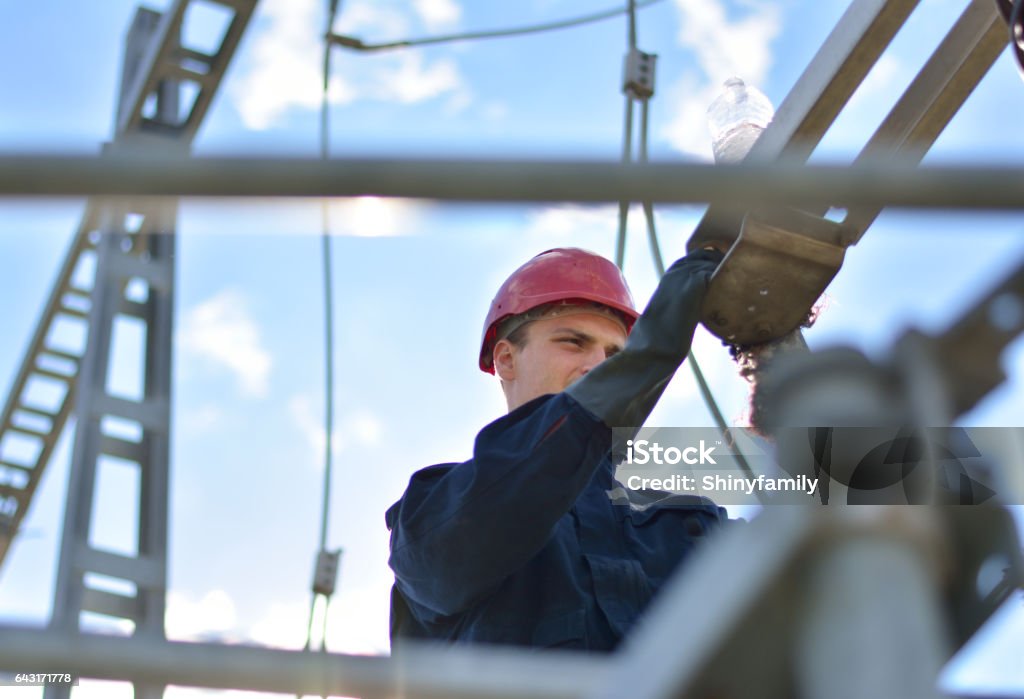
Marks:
<point>797,597</point>
<point>785,574</point>
<point>749,184</point>
<point>130,248</point>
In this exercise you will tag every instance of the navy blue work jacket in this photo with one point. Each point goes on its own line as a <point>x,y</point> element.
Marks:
<point>532,542</point>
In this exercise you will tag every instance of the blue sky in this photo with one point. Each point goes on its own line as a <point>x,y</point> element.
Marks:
<point>413,278</point>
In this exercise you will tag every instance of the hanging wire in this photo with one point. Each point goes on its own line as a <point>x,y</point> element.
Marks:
<point>350,42</point>
<point>325,239</point>
<point>627,143</point>
<point>652,234</point>
<point>627,155</point>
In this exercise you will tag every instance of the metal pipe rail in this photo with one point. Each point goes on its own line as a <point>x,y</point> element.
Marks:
<point>747,185</point>
<point>415,673</point>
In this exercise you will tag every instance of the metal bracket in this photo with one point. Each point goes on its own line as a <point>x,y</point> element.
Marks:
<point>779,266</point>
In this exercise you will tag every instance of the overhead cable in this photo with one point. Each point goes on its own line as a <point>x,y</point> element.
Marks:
<point>355,44</point>
<point>326,561</point>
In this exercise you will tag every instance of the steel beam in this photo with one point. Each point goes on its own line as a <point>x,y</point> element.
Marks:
<point>814,102</point>
<point>753,184</point>
<point>425,672</point>
<point>152,56</point>
<point>738,620</point>
<point>934,97</point>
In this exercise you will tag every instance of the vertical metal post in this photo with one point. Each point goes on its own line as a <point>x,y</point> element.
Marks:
<point>134,287</point>
<point>872,625</point>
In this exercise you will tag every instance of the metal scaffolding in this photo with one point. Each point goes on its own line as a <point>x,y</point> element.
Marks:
<point>803,599</point>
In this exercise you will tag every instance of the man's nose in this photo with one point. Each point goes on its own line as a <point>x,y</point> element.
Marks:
<point>593,358</point>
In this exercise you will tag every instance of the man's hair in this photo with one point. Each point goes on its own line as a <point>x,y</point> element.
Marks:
<point>518,336</point>
<point>519,323</point>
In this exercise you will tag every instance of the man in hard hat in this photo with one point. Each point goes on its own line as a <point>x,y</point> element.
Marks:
<point>532,542</point>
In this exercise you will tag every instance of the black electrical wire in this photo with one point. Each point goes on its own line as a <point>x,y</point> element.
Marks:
<point>355,44</point>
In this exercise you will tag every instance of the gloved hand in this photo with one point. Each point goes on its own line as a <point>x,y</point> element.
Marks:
<point>623,390</point>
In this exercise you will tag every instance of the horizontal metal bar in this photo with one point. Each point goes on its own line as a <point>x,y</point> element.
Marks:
<point>110,604</point>
<point>151,412</point>
<point>144,571</point>
<point>414,673</point>
<point>744,185</point>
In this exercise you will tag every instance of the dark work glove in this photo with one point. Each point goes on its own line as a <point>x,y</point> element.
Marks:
<point>623,390</point>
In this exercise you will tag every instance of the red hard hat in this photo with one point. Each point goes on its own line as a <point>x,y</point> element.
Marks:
<point>562,274</point>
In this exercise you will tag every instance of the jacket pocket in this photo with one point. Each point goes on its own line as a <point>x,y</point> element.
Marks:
<point>561,631</point>
<point>621,588</point>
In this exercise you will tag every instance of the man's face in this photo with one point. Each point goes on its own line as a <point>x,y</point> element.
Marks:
<point>558,350</point>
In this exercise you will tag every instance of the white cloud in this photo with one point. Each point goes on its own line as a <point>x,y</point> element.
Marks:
<point>408,79</point>
<point>725,48</point>
<point>687,131</point>
<point>284,63</point>
<point>375,217</point>
<point>722,48</point>
<point>221,332</point>
<point>373,18</point>
<point>209,618</point>
<point>437,14</point>
<point>359,428</point>
<point>358,622</point>
<point>565,220</point>
<point>283,626</point>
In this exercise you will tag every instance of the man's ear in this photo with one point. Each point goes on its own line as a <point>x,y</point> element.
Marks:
<point>505,360</point>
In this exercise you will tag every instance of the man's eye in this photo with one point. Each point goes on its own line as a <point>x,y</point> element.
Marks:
<point>573,340</point>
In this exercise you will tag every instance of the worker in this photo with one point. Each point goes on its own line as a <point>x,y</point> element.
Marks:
<point>532,542</point>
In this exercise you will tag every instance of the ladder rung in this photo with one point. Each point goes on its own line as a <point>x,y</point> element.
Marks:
<point>176,71</point>
<point>113,446</point>
<point>24,420</point>
<point>62,354</point>
<point>133,308</point>
<point>28,431</point>
<point>151,413</point>
<point>50,373</point>
<point>110,604</point>
<point>73,312</point>
<point>11,492</point>
<point>193,55</point>
<point>21,407</point>
<point>145,572</point>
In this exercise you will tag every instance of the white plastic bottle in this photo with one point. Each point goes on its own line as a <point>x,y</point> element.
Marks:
<point>736,118</point>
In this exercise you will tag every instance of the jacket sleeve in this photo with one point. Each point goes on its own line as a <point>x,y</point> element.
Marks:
<point>458,533</point>
<point>624,389</point>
